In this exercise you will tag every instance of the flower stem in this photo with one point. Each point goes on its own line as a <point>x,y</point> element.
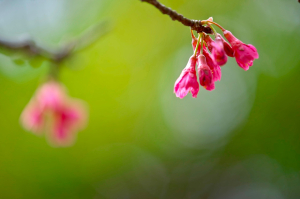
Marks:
<point>53,70</point>
<point>192,33</point>
<point>202,40</point>
<point>198,42</point>
<point>213,29</point>
<point>212,22</point>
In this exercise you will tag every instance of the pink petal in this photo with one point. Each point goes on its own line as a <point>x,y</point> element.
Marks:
<point>32,118</point>
<point>244,53</point>
<point>50,95</point>
<point>68,120</point>
<point>187,81</point>
<point>216,70</point>
<point>205,74</point>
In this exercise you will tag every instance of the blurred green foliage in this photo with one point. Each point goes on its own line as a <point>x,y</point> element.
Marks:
<point>239,141</point>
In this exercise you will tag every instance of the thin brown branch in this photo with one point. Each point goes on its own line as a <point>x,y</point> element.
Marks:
<point>32,49</point>
<point>194,24</point>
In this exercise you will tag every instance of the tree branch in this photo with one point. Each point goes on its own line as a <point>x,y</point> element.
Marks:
<point>31,48</point>
<point>194,24</point>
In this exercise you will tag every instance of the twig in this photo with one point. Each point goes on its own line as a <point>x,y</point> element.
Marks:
<point>194,24</point>
<point>31,48</point>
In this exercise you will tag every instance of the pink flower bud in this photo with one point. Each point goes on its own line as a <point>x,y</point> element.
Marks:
<point>217,49</point>
<point>244,53</point>
<point>214,67</point>
<point>227,48</point>
<point>210,19</point>
<point>187,81</point>
<point>205,74</point>
<point>52,112</point>
<point>208,40</point>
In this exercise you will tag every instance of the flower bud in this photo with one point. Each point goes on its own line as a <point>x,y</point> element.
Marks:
<point>217,49</point>
<point>187,81</point>
<point>214,67</point>
<point>227,48</point>
<point>52,112</point>
<point>244,53</point>
<point>205,74</point>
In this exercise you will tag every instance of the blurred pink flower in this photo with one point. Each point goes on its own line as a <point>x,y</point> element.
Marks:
<point>52,112</point>
<point>244,53</point>
<point>205,74</point>
<point>187,81</point>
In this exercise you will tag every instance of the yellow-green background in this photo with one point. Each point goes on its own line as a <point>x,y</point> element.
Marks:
<point>240,141</point>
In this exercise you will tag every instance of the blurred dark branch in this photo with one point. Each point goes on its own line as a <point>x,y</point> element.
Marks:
<point>31,48</point>
<point>90,36</point>
<point>194,24</point>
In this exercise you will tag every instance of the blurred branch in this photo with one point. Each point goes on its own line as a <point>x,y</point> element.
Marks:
<point>194,24</point>
<point>31,48</point>
<point>90,36</point>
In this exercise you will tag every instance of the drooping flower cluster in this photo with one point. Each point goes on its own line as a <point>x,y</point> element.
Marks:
<point>209,55</point>
<point>52,112</point>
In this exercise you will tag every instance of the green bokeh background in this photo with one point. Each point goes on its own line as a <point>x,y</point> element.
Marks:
<point>241,140</point>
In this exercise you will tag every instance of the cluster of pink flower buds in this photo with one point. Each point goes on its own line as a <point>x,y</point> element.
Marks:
<point>52,112</point>
<point>209,55</point>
